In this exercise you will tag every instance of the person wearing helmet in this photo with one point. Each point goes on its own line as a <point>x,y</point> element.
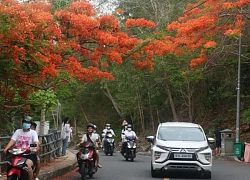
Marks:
<point>92,137</point>
<point>125,126</point>
<point>38,163</point>
<point>106,131</point>
<point>128,134</point>
<point>25,137</point>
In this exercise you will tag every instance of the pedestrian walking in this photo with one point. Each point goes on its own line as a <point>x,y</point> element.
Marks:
<point>71,134</point>
<point>65,135</point>
<point>217,133</point>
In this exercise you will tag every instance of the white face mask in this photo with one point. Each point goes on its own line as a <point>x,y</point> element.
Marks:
<point>129,129</point>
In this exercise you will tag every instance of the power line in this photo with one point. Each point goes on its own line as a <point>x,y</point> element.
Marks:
<point>196,6</point>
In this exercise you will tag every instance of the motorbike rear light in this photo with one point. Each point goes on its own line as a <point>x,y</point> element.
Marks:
<point>157,155</point>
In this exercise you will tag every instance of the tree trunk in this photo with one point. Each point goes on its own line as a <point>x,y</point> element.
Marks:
<point>111,98</point>
<point>151,113</point>
<point>75,129</point>
<point>158,116</point>
<point>190,103</point>
<point>42,122</point>
<point>171,101</point>
<point>84,114</point>
<point>140,108</point>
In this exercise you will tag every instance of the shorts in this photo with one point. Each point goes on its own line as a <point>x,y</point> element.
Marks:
<point>218,144</point>
<point>32,157</point>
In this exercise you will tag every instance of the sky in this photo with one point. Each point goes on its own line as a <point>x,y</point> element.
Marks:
<point>105,6</point>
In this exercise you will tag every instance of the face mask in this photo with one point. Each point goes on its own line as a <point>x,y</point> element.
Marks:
<point>26,126</point>
<point>94,131</point>
<point>129,129</point>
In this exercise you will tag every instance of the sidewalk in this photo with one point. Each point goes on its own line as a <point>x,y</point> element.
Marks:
<point>58,167</point>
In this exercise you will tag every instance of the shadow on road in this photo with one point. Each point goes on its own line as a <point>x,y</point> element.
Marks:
<point>181,175</point>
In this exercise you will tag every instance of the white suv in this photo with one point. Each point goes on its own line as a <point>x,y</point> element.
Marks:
<point>180,146</point>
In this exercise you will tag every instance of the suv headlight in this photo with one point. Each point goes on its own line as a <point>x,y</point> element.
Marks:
<point>157,155</point>
<point>202,149</point>
<point>163,147</point>
<point>208,156</point>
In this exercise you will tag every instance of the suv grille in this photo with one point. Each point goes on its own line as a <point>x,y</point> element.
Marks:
<point>183,151</point>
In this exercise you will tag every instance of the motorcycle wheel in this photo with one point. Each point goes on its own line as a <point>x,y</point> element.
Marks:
<point>13,177</point>
<point>111,151</point>
<point>83,172</point>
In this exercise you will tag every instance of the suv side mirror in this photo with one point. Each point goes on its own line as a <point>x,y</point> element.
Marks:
<point>211,140</point>
<point>150,139</point>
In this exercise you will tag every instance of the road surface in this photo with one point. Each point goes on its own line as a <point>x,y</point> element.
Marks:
<point>116,168</point>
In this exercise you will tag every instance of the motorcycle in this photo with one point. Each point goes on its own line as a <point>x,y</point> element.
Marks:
<point>85,159</point>
<point>109,149</point>
<point>130,150</point>
<point>17,169</point>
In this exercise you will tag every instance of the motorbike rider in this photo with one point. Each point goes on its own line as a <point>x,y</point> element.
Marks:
<point>99,137</point>
<point>94,138</point>
<point>105,133</point>
<point>24,137</point>
<point>128,134</point>
<point>38,163</point>
<point>124,129</point>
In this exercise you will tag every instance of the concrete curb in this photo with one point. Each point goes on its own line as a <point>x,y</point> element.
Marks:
<point>58,172</point>
<point>65,167</point>
<point>144,153</point>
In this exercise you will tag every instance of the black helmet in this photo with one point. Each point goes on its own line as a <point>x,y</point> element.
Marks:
<point>27,119</point>
<point>91,125</point>
<point>34,124</point>
<point>95,127</point>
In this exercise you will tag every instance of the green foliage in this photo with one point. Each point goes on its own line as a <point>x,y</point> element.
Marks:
<point>60,4</point>
<point>246,115</point>
<point>43,98</point>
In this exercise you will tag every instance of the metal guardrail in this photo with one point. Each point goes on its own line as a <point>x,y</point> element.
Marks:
<point>50,145</point>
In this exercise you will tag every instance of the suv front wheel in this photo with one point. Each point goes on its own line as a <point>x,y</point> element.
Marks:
<point>207,175</point>
<point>153,172</point>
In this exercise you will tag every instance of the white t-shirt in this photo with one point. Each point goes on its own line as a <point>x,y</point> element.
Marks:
<point>129,134</point>
<point>24,139</point>
<point>105,132</point>
<point>65,131</point>
<point>93,137</point>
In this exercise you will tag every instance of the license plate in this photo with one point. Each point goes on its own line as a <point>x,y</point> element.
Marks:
<point>183,156</point>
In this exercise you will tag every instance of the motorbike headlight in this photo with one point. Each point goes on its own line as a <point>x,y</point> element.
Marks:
<point>129,146</point>
<point>134,145</point>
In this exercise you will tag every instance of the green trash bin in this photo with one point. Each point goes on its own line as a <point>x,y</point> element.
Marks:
<point>239,150</point>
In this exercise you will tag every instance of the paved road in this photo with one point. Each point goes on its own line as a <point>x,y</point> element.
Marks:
<point>116,168</point>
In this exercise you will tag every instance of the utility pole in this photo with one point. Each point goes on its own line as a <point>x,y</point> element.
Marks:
<point>238,95</point>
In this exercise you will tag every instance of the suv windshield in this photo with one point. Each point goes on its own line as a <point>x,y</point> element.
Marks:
<point>181,134</point>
